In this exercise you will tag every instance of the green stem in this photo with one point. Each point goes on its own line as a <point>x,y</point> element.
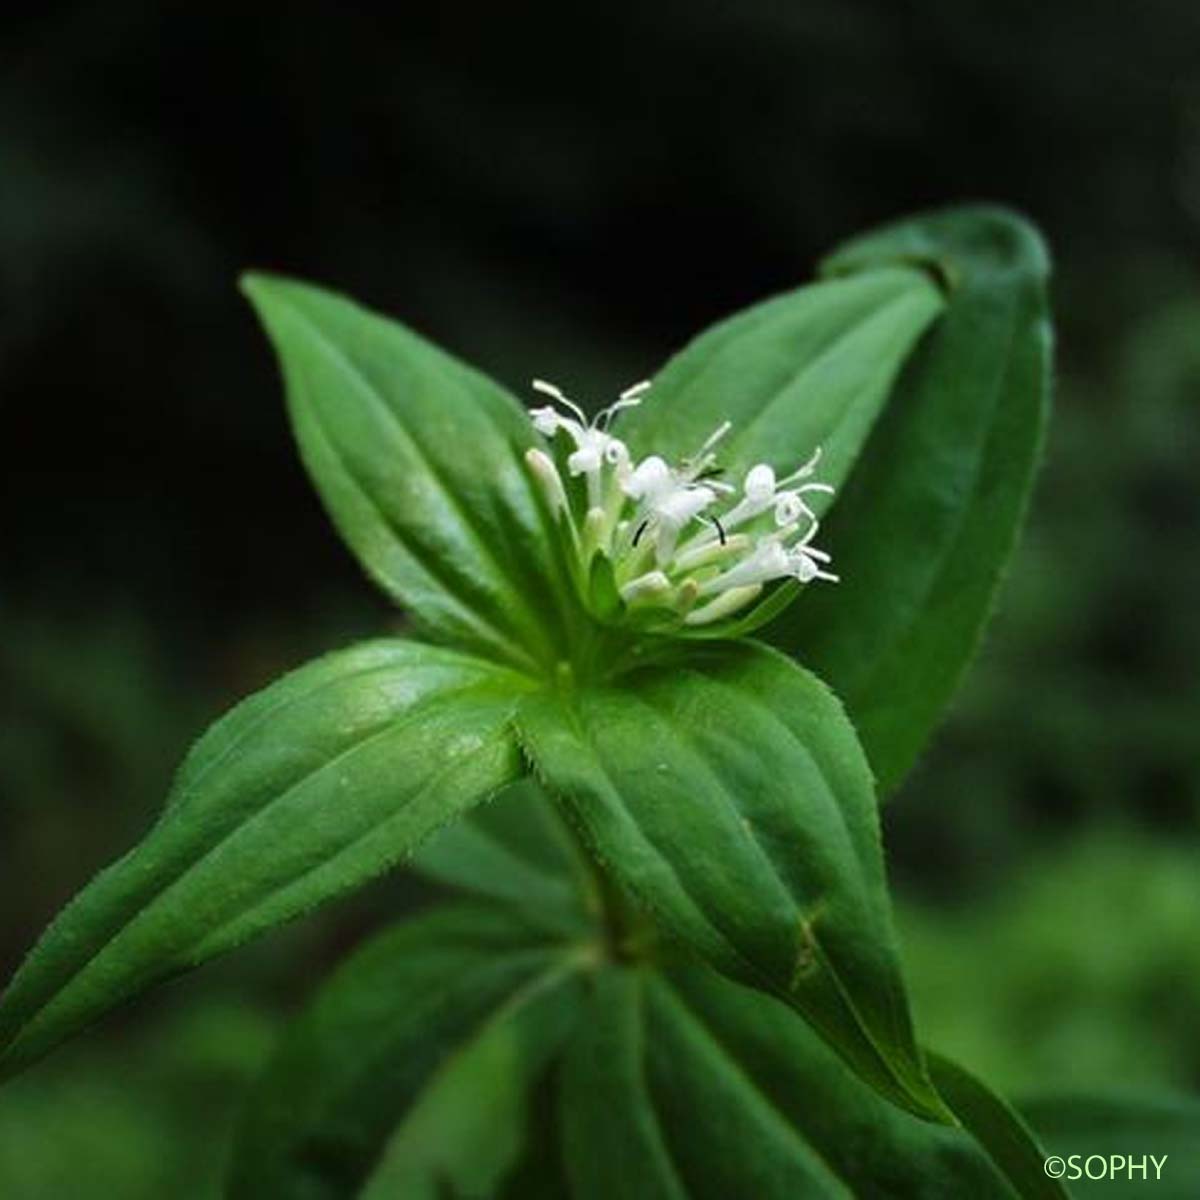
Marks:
<point>626,934</point>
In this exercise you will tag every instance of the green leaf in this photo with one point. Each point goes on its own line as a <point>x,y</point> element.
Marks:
<point>516,849</point>
<point>931,512</point>
<point>689,1087</point>
<point>998,1129</point>
<point>1131,1126</point>
<point>326,778</point>
<point>729,794</point>
<point>476,1133</point>
<point>611,1141</point>
<point>410,1072</point>
<point>418,460</point>
<point>488,1129</point>
<point>810,368</point>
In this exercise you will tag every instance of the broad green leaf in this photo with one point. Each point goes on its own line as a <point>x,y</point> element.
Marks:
<point>1163,1125</point>
<point>418,460</point>
<point>729,794</point>
<point>471,1135</point>
<point>612,1144</point>
<point>931,512</point>
<point>517,849</point>
<point>686,1086</point>
<point>810,368</point>
<point>326,778</point>
<point>409,1074</point>
<point>998,1129</point>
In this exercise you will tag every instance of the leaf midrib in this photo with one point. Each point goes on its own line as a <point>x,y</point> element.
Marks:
<point>23,1031</point>
<point>584,740</point>
<point>900,1030</point>
<point>467,516</point>
<point>744,1082</point>
<point>828,351</point>
<point>741,324</point>
<point>429,785</point>
<point>418,664</point>
<point>960,515</point>
<point>428,561</point>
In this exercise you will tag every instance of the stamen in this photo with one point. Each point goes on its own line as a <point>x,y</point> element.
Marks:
<point>696,464</point>
<point>805,569</point>
<point>714,438</point>
<point>804,471</point>
<point>827,488</point>
<point>548,389</point>
<point>631,397</point>
<point>809,534</point>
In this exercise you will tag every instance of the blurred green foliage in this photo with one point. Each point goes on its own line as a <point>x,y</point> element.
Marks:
<point>143,1115</point>
<point>1081,973</point>
<point>572,194</point>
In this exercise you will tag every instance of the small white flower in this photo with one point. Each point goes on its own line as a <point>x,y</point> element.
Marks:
<point>637,513</point>
<point>546,421</point>
<point>650,479</point>
<point>682,504</point>
<point>594,446</point>
<point>589,456</point>
<point>768,560</point>
<point>672,511</point>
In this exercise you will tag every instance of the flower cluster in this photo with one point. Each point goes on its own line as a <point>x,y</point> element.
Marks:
<point>678,537</point>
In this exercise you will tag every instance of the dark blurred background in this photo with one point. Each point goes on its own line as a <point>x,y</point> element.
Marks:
<point>572,192</point>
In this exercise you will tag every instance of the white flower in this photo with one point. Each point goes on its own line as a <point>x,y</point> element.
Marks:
<point>638,513</point>
<point>649,480</point>
<point>594,446</point>
<point>672,511</point>
<point>546,421</point>
<point>589,457</point>
<point>768,560</point>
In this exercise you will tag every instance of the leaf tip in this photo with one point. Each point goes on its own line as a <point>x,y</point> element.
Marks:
<point>257,286</point>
